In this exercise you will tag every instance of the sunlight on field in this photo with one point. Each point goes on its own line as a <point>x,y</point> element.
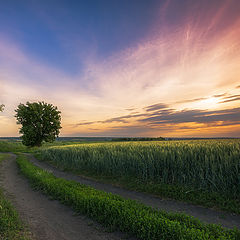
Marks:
<point>206,164</point>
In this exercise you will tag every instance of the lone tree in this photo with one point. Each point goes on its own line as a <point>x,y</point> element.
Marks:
<point>40,122</point>
<point>2,107</point>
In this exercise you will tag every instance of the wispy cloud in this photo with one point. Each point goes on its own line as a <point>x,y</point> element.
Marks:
<point>120,119</point>
<point>220,95</point>
<point>166,121</point>
<point>231,100</point>
<point>232,96</point>
<point>192,100</point>
<point>155,107</point>
<point>174,79</point>
<point>195,116</point>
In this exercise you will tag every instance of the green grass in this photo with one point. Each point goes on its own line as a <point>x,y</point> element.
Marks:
<point>204,172</point>
<point>118,213</point>
<point>18,147</point>
<point>12,146</point>
<point>180,193</point>
<point>11,228</point>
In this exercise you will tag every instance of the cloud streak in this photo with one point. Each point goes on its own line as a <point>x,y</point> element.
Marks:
<point>231,100</point>
<point>168,120</point>
<point>155,107</point>
<point>180,77</point>
<point>195,116</point>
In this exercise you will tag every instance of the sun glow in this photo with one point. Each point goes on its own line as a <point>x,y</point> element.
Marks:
<point>208,103</point>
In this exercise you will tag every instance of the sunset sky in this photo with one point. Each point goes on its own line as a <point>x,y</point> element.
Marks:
<point>124,67</point>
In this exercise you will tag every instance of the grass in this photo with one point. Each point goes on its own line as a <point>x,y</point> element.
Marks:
<point>11,228</point>
<point>180,193</point>
<point>12,146</point>
<point>204,172</point>
<point>118,213</point>
<point>199,164</point>
<point>18,147</point>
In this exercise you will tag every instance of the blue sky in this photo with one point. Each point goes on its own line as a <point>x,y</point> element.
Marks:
<point>124,67</point>
<point>60,33</point>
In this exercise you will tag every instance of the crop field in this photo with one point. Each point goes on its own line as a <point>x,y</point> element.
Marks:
<point>203,171</point>
<point>212,165</point>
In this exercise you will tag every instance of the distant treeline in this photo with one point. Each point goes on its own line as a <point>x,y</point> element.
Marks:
<point>139,139</point>
<point>95,139</point>
<point>119,139</point>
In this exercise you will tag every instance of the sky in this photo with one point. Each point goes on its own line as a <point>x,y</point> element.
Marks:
<point>140,68</point>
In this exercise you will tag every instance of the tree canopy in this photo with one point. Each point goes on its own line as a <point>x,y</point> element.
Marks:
<point>40,122</point>
<point>2,107</point>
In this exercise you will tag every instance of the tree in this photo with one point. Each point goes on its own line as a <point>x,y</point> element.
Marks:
<point>40,122</point>
<point>2,107</point>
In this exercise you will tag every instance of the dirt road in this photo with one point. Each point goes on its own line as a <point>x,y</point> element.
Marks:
<point>207,215</point>
<point>47,219</point>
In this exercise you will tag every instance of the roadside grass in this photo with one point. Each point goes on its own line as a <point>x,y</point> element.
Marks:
<point>121,214</point>
<point>12,146</point>
<point>161,190</point>
<point>18,147</point>
<point>11,227</point>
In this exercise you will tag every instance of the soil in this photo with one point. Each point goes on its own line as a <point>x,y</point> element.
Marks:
<point>45,218</point>
<point>225,219</point>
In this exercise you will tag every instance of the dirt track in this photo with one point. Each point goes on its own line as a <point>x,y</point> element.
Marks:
<point>47,219</point>
<point>207,215</point>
